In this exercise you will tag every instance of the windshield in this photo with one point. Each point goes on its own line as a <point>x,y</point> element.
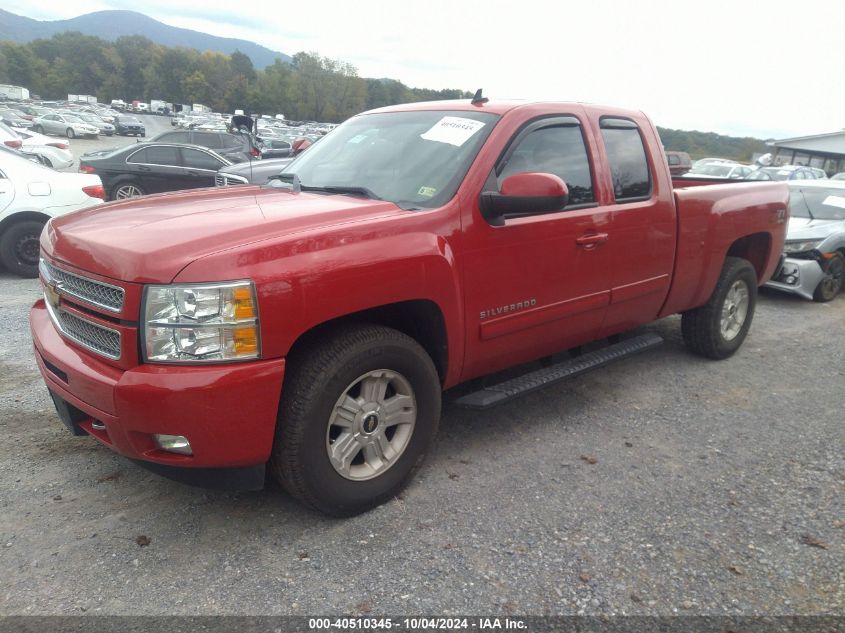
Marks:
<point>817,204</point>
<point>413,159</point>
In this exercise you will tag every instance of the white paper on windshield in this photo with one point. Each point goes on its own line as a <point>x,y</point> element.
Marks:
<point>834,201</point>
<point>453,130</point>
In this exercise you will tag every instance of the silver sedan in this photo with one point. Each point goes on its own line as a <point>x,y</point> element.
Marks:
<point>814,253</point>
<point>62,124</point>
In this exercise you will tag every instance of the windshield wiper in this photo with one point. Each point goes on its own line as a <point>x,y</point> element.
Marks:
<point>360,191</point>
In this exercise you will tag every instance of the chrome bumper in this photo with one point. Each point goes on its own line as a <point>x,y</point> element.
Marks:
<point>798,276</point>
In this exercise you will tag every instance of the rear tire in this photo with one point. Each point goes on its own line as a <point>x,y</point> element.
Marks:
<point>831,284</point>
<point>359,410</point>
<point>20,248</point>
<point>126,189</point>
<point>718,328</point>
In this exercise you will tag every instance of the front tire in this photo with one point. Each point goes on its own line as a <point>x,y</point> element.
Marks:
<point>718,328</point>
<point>70,133</point>
<point>831,284</point>
<point>359,410</point>
<point>20,249</point>
<point>39,129</point>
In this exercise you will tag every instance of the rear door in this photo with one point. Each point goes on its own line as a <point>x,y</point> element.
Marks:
<point>541,283</point>
<point>642,252</point>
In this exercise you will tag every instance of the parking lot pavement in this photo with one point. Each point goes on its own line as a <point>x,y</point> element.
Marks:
<point>154,125</point>
<point>665,484</point>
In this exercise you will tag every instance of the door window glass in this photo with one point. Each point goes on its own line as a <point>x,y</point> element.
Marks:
<point>557,150</point>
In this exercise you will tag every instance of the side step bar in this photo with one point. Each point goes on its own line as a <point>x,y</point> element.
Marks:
<point>519,386</point>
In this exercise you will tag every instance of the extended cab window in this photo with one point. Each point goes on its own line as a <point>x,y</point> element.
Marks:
<point>558,150</point>
<point>627,158</point>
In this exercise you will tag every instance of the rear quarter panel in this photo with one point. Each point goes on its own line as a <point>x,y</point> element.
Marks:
<point>711,219</point>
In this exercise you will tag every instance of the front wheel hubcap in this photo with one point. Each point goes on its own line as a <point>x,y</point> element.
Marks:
<point>734,310</point>
<point>371,425</point>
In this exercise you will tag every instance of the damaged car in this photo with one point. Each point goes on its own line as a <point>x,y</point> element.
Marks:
<point>814,254</point>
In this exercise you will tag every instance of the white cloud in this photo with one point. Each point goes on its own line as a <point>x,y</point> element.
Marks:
<point>731,67</point>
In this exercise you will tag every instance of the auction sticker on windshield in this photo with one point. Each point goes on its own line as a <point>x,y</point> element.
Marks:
<point>453,130</point>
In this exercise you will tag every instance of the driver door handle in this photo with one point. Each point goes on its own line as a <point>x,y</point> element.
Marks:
<point>590,240</point>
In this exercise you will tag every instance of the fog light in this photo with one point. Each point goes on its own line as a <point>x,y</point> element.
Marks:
<point>791,280</point>
<point>173,444</point>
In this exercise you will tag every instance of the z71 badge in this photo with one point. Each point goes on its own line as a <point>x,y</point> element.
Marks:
<point>513,307</point>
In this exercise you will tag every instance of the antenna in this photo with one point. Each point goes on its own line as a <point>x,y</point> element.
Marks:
<point>478,99</point>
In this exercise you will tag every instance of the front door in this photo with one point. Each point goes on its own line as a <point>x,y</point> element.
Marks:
<point>538,284</point>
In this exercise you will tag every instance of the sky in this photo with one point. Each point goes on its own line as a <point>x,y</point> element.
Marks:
<point>765,69</point>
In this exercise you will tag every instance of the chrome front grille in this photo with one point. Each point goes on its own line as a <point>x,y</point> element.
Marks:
<point>97,338</point>
<point>227,180</point>
<point>97,293</point>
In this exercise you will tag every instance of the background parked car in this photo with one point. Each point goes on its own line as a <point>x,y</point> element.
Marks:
<point>724,169</point>
<point>30,194</point>
<point>252,172</point>
<point>9,137</point>
<point>679,162</point>
<point>815,241</point>
<point>14,119</point>
<point>51,152</point>
<point>152,167</point>
<point>276,148</point>
<point>105,128</point>
<point>784,172</point>
<point>839,176</point>
<point>126,125</point>
<point>234,147</point>
<point>62,124</point>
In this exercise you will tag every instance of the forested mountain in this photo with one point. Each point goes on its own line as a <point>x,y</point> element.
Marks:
<point>111,25</point>
<point>310,87</point>
<point>709,144</point>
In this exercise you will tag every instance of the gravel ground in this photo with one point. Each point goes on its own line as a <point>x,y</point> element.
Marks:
<point>664,484</point>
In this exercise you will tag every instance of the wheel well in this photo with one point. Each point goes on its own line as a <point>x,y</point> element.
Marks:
<point>753,248</point>
<point>22,216</point>
<point>421,319</point>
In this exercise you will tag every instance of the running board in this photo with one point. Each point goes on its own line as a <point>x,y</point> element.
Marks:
<point>519,386</point>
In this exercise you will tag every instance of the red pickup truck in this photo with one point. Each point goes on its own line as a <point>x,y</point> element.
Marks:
<point>309,326</point>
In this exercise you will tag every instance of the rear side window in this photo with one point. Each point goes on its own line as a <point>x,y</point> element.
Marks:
<point>195,159</point>
<point>207,139</point>
<point>627,158</point>
<point>674,159</point>
<point>558,150</point>
<point>162,155</point>
<point>230,140</point>
<point>174,137</point>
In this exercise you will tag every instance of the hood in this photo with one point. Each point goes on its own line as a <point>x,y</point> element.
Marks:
<point>807,229</point>
<point>258,171</point>
<point>150,239</point>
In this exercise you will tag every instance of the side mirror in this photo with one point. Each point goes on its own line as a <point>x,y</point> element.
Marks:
<point>525,193</point>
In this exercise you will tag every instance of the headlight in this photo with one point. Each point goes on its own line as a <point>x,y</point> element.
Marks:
<point>797,246</point>
<point>201,323</point>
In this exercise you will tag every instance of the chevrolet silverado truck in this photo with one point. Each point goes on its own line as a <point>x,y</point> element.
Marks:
<point>308,327</point>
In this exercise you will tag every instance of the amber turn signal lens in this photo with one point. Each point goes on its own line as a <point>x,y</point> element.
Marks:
<point>244,309</point>
<point>246,340</point>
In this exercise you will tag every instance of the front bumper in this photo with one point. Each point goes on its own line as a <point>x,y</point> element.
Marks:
<point>798,276</point>
<point>227,412</point>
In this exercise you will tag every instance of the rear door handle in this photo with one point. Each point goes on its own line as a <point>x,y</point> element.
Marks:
<point>142,168</point>
<point>591,240</point>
